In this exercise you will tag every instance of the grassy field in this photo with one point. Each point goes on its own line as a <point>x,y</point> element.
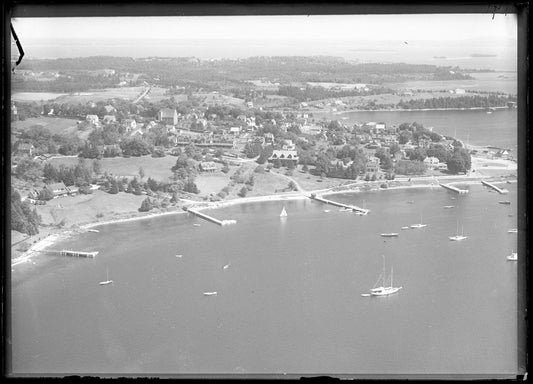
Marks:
<point>157,168</point>
<point>216,98</point>
<point>35,96</point>
<point>54,124</point>
<point>85,208</point>
<point>126,93</point>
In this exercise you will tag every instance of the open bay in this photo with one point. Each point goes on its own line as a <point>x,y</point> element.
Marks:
<point>290,301</point>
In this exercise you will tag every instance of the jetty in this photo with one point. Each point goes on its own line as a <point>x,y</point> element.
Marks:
<point>454,189</point>
<point>211,218</point>
<point>499,190</point>
<point>342,205</point>
<point>90,255</point>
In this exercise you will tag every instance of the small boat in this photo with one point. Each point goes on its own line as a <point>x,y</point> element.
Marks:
<point>283,213</point>
<point>384,289</point>
<point>410,202</point>
<point>179,256</point>
<point>513,256</point>
<point>458,237</point>
<point>448,206</point>
<point>93,230</point>
<point>391,234</point>
<point>406,227</point>
<point>106,281</point>
<point>513,230</point>
<point>225,266</point>
<point>344,209</point>
<point>327,210</point>
<point>210,293</point>
<point>508,182</point>
<point>196,225</point>
<point>419,225</point>
<point>506,202</point>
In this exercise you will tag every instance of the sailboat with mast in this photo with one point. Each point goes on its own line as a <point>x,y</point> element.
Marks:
<point>283,213</point>
<point>386,288</point>
<point>458,237</point>
<point>419,225</point>
<point>106,281</point>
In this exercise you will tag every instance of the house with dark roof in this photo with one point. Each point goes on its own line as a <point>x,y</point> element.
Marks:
<point>207,166</point>
<point>285,156</point>
<point>168,116</point>
<point>57,189</point>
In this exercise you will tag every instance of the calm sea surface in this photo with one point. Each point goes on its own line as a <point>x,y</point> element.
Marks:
<point>290,300</point>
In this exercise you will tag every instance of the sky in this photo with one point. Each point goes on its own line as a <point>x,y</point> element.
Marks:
<point>275,28</point>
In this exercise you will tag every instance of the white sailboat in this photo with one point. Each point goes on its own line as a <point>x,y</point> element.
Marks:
<point>419,225</point>
<point>513,256</point>
<point>458,237</point>
<point>283,213</point>
<point>384,289</point>
<point>106,281</point>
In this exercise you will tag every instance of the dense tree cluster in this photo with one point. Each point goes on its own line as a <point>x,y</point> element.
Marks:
<point>79,174</point>
<point>23,218</point>
<point>460,161</point>
<point>469,101</point>
<point>410,167</point>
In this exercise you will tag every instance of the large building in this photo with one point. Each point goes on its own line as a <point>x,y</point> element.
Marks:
<point>168,116</point>
<point>285,156</point>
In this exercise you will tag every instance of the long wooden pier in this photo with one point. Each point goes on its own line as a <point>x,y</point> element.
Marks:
<point>454,189</point>
<point>210,218</point>
<point>347,206</point>
<point>90,255</point>
<point>503,191</point>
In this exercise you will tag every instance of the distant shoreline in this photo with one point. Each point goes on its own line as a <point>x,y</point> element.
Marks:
<point>402,110</point>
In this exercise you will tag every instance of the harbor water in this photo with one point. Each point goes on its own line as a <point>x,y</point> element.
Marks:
<point>290,300</point>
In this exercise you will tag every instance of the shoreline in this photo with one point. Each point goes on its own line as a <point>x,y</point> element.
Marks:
<point>402,110</point>
<point>356,187</point>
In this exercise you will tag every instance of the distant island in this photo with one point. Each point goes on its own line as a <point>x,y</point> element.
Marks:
<point>482,55</point>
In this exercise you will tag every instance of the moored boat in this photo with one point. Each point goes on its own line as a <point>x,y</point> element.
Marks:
<point>391,234</point>
<point>458,237</point>
<point>106,282</point>
<point>513,256</point>
<point>384,289</point>
<point>513,230</point>
<point>210,293</point>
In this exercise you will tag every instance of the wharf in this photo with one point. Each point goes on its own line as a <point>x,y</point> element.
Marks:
<point>499,190</point>
<point>454,189</point>
<point>90,255</point>
<point>210,218</point>
<point>347,206</point>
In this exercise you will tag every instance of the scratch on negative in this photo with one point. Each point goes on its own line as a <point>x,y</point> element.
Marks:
<point>19,47</point>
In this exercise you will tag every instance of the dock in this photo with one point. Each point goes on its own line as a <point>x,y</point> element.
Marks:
<point>454,189</point>
<point>90,255</point>
<point>342,205</point>
<point>210,218</point>
<point>499,190</point>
